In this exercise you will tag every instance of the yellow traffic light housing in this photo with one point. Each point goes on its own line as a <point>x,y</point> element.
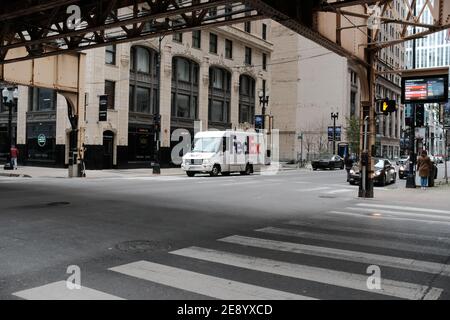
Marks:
<point>389,106</point>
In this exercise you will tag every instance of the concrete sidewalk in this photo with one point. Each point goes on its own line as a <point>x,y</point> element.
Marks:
<point>45,172</point>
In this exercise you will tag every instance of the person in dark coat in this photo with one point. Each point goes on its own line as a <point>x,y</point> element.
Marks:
<point>424,167</point>
<point>348,165</point>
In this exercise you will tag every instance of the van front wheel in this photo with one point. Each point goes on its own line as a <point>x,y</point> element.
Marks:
<point>190,174</point>
<point>215,171</point>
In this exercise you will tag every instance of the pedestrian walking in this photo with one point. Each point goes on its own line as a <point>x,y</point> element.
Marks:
<point>424,167</point>
<point>14,155</point>
<point>348,165</point>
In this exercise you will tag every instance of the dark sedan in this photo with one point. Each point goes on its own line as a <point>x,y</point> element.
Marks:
<point>331,162</point>
<point>384,174</point>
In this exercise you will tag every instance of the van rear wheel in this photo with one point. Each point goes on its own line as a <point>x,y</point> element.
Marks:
<point>248,170</point>
<point>215,171</point>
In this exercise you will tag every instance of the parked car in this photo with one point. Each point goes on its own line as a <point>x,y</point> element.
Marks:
<point>439,159</point>
<point>403,170</point>
<point>384,174</point>
<point>330,162</point>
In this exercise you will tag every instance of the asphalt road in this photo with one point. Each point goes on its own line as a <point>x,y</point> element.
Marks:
<point>294,235</point>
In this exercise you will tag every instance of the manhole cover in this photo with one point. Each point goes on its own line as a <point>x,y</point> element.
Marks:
<point>143,246</point>
<point>57,204</point>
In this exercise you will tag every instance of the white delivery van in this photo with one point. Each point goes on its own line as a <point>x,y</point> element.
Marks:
<point>225,152</point>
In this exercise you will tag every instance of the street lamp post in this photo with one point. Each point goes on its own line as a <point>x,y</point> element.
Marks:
<point>334,117</point>
<point>157,115</point>
<point>264,101</point>
<point>10,96</point>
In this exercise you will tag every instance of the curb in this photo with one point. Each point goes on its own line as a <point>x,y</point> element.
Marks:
<point>15,175</point>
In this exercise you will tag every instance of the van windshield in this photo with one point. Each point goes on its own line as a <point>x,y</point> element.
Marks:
<point>207,145</point>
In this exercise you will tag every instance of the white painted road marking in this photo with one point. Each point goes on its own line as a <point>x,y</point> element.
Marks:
<point>203,284</point>
<point>313,189</point>
<point>403,208</point>
<point>366,216</point>
<point>400,213</point>
<point>359,241</point>
<point>355,281</point>
<point>369,229</point>
<point>59,291</point>
<point>355,256</point>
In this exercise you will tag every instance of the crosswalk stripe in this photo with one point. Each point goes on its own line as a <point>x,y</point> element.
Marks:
<point>326,276</point>
<point>354,256</point>
<point>59,291</point>
<point>339,191</point>
<point>370,230</point>
<point>313,189</point>
<point>402,208</point>
<point>240,183</point>
<point>354,240</point>
<point>365,216</point>
<point>203,284</point>
<point>400,213</point>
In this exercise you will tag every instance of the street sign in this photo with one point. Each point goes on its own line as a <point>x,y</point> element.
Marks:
<point>259,122</point>
<point>41,140</point>
<point>103,108</point>
<point>425,86</point>
<point>336,136</point>
<point>338,133</point>
<point>330,134</point>
<point>300,136</point>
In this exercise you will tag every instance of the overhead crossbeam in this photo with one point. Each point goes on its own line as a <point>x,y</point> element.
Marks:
<point>101,25</point>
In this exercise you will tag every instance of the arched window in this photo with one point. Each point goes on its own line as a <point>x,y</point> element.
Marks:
<point>246,99</point>
<point>185,80</point>
<point>219,95</point>
<point>144,93</point>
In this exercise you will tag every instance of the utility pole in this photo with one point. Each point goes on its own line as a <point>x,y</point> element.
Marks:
<point>157,114</point>
<point>411,179</point>
<point>334,117</point>
<point>10,96</point>
<point>264,101</point>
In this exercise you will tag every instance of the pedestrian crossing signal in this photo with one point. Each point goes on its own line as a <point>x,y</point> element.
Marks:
<point>389,106</point>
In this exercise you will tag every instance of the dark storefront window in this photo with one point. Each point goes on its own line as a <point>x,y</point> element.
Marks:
<point>184,88</point>
<point>248,56</point>
<point>41,141</point>
<point>140,144</point>
<point>110,54</point>
<point>197,39</point>
<point>228,49</point>
<point>144,93</point>
<point>42,99</point>
<point>246,99</point>
<point>110,91</point>
<point>4,143</point>
<point>219,95</point>
<point>213,43</point>
<point>143,101</point>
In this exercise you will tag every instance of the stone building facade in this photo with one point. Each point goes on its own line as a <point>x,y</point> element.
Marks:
<point>212,76</point>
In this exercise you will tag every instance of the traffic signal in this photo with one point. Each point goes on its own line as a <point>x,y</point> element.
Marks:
<point>389,106</point>
<point>157,121</point>
<point>420,115</point>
